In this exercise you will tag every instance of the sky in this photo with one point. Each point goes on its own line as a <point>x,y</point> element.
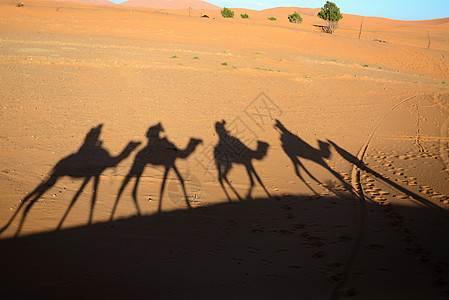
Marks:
<point>409,10</point>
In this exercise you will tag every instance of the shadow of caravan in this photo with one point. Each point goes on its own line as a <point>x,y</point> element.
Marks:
<point>88,162</point>
<point>159,151</point>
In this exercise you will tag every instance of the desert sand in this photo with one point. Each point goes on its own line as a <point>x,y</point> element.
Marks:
<point>345,139</point>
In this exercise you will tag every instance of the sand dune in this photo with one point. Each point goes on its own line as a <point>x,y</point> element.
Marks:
<point>170,4</point>
<point>95,2</point>
<point>314,165</point>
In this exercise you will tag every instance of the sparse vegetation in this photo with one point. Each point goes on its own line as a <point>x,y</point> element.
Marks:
<point>174,56</point>
<point>272,18</point>
<point>257,52</point>
<point>444,82</point>
<point>365,66</point>
<point>269,70</point>
<point>331,13</point>
<point>227,13</point>
<point>224,64</point>
<point>295,18</point>
<point>308,76</point>
<point>196,57</point>
<point>244,16</point>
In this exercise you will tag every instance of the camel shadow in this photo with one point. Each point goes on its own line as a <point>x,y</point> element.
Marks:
<point>230,150</point>
<point>88,162</point>
<point>159,151</point>
<point>296,148</point>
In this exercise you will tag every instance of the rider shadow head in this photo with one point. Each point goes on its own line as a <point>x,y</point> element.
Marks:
<point>297,149</point>
<point>93,137</point>
<point>159,151</point>
<point>88,162</point>
<point>229,151</point>
<point>154,131</point>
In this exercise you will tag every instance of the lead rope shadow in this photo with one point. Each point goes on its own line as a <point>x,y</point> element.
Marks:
<point>296,148</point>
<point>230,150</point>
<point>88,162</point>
<point>361,165</point>
<point>159,151</point>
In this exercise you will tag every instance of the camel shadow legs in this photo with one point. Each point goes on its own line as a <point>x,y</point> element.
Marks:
<point>223,174</point>
<point>32,198</point>
<point>78,193</point>
<point>251,171</point>
<point>133,173</point>
<point>164,180</point>
<point>297,163</point>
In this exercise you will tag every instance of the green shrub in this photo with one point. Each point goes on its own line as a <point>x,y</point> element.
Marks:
<point>295,18</point>
<point>244,16</point>
<point>224,64</point>
<point>272,18</point>
<point>227,13</point>
<point>331,13</point>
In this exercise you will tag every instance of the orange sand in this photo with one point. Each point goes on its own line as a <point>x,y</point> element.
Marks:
<point>370,223</point>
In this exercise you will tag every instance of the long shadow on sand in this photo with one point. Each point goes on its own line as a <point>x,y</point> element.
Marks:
<point>290,248</point>
<point>88,162</point>
<point>159,151</point>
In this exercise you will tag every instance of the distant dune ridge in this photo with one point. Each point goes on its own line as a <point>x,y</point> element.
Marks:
<point>97,2</point>
<point>170,4</point>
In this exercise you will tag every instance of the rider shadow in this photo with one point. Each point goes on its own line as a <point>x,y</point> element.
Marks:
<point>159,151</point>
<point>359,164</point>
<point>230,150</point>
<point>88,162</point>
<point>296,148</point>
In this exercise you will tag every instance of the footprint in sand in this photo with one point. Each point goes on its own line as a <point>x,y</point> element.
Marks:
<point>252,249</point>
<point>266,262</point>
<point>294,267</point>
<point>376,247</point>
<point>318,254</point>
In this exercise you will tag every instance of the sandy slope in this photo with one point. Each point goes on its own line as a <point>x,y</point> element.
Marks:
<point>370,212</point>
<point>168,4</point>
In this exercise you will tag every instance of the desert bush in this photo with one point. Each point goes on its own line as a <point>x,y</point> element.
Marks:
<point>244,16</point>
<point>331,13</point>
<point>19,4</point>
<point>227,13</point>
<point>272,18</point>
<point>295,18</point>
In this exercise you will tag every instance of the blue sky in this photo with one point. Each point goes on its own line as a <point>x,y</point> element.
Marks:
<point>392,9</point>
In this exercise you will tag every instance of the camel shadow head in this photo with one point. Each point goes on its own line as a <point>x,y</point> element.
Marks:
<point>133,145</point>
<point>325,149</point>
<point>280,127</point>
<point>262,149</point>
<point>196,142</point>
